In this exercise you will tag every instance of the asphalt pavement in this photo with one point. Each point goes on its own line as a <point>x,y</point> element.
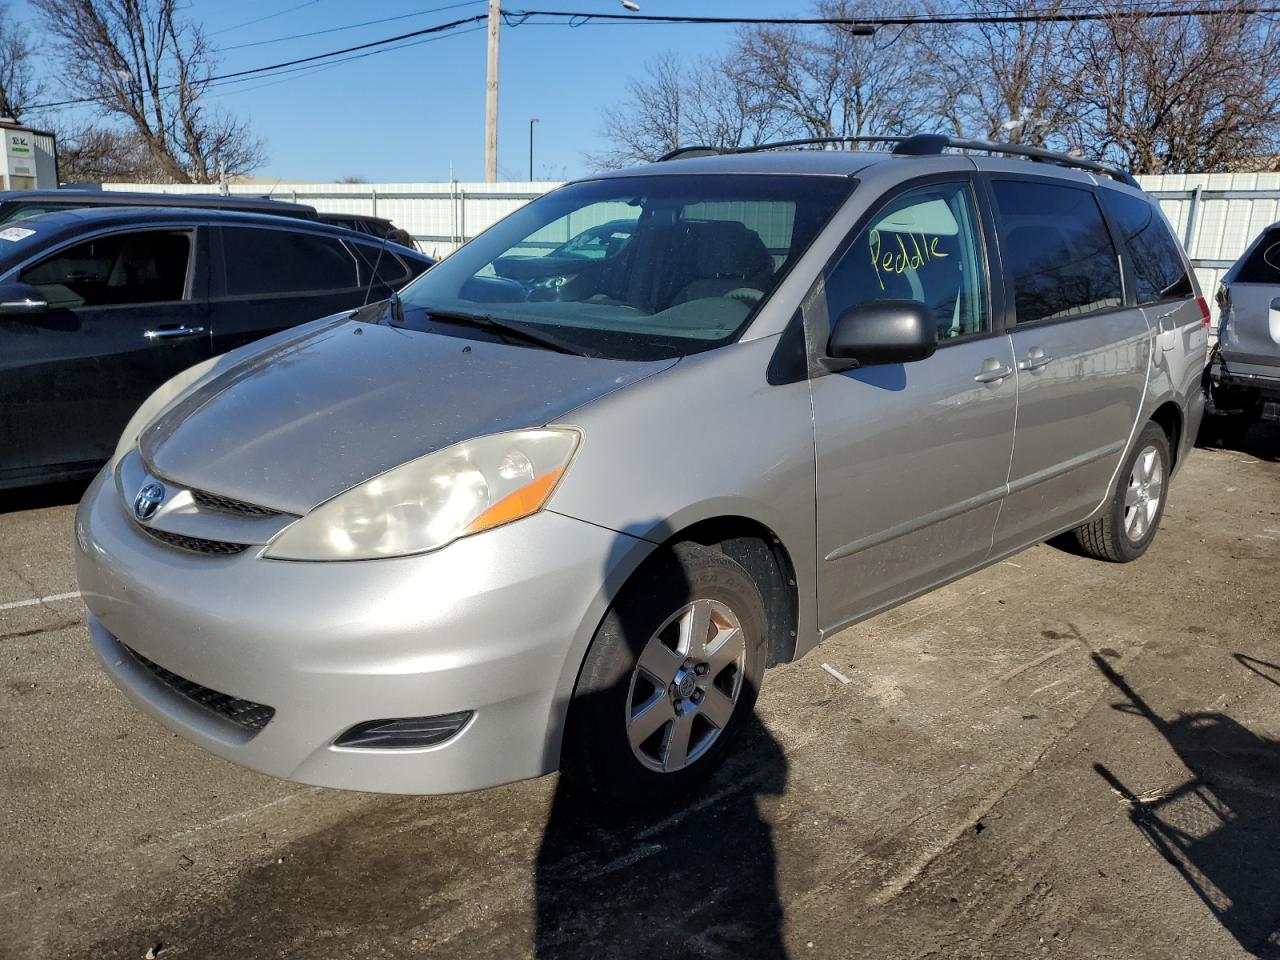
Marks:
<point>1053,757</point>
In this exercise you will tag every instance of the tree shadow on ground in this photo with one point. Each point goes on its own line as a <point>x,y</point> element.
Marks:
<point>1221,828</point>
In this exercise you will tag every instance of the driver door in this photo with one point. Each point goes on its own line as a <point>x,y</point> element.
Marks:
<point>126,312</point>
<point>912,459</point>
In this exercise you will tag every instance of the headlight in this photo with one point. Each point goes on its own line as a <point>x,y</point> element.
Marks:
<point>432,501</point>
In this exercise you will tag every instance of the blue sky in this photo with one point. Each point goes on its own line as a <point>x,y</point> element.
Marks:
<point>408,115</point>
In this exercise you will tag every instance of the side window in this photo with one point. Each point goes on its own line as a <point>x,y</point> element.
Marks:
<point>261,262</point>
<point>1157,264</point>
<point>1263,265</point>
<point>390,269</point>
<point>123,268</point>
<point>1056,249</point>
<point>923,246</point>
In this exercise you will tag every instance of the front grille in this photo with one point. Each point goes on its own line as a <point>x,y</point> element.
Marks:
<point>243,713</point>
<point>194,544</point>
<point>211,501</point>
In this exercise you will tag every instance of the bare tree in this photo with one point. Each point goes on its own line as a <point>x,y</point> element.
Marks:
<point>18,85</point>
<point>145,65</point>
<point>94,154</point>
<point>1190,93</point>
<point>833,82</point>
<point>1006,81</point>
<point>671,105</point>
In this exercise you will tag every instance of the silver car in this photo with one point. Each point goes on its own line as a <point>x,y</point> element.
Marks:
<point>1244,370</point>
<point>544,513</point>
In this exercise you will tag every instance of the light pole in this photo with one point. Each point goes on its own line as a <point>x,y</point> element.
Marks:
<point>531,123</point>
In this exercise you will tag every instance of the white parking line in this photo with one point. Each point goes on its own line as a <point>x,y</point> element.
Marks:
<point>14,604</point>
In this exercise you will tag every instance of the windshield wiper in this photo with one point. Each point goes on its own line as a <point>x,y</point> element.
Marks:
<point>511,328</point>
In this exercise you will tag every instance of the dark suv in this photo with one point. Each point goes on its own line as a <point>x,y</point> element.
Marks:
<point>100,306</point>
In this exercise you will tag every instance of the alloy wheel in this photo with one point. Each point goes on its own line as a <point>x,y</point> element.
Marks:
<point>1142,498</point>
<point>686,685</point>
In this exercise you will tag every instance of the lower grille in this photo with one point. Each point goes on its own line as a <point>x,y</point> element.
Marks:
<point>194,544</point>
<point>243,713</point>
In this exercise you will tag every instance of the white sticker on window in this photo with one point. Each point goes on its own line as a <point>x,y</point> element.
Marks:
<point>14,234</point>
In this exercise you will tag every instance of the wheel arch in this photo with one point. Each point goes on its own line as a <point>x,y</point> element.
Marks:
<point>1169,417</point>
<point>765,557</point>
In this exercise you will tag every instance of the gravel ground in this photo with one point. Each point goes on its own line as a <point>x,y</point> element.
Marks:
<point>1054,757</point>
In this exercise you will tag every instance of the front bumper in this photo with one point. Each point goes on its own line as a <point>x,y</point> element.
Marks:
<point>495,624</point>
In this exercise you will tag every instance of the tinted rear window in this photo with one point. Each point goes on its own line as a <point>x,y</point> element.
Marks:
<point>1157,263</point>
<point>263,262</point>
<point>1056,249</point>
<point>1263,264</point>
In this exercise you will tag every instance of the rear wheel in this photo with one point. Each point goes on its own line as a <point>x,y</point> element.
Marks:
<point>1129,524</point>
<point>670,678</point>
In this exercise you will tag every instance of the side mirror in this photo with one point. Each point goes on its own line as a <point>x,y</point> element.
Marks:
<point>21,299</point>
<point>883,331</point>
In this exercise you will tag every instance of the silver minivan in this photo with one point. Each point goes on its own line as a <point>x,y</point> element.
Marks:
<point>560,508</point>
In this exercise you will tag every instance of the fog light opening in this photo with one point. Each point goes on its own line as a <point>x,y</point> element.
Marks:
<point>404,733</point>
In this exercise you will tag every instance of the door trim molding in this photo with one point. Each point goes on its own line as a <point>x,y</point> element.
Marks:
<point>918,523</point>
<point>1065,466</point>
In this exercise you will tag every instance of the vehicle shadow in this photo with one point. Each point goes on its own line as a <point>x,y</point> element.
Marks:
<point>1261,440</point>
<point>1220,828</point>
<point>698,880</point>
<point>39,498</point>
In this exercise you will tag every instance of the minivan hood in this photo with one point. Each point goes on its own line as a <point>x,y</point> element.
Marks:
<point>295,424</point>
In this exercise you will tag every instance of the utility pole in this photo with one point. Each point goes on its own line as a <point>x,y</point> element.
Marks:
<point>491,96</point>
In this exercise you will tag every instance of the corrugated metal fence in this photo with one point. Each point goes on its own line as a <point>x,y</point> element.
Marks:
<point>441,216</point>
<point>1216,215</point>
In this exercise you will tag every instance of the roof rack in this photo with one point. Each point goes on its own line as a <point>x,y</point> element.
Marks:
<point>920,145</point>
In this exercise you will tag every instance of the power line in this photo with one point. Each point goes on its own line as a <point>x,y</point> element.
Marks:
<point>300,72</point>
<point>520,17</point>
<point>577,18</point>
<point>254,71</point>
<point>351,26</point>
<point>269,16</point>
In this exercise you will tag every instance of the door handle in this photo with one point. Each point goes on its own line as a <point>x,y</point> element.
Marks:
<point>994,374</point>
<point>1034,360</point>
<point>173,333</point>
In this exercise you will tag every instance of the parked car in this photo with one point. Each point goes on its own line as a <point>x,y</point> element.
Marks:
<point>100,306</point>
<point>503,526</point>
<point>379,227</point>
<point>1244,370</point>
<point>20,204</point>
<point>534,259</point>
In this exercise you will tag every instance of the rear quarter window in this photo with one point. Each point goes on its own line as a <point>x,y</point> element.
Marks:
<point>261,262</point>
<point>1262,265</point>
<point>1158,268</point>
<point>1056,249</point>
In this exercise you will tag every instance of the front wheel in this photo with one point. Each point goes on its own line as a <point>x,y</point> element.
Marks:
<point>670,678</point>
<point>1129,524</point>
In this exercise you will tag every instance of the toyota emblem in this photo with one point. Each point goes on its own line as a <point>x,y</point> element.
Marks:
<point>148,500</point>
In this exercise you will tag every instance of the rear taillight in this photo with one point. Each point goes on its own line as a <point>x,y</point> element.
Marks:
<point>1204,309</point>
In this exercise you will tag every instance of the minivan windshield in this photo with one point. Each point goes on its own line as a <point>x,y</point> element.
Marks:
<point>662,266</point>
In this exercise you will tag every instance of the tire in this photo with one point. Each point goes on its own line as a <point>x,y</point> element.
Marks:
<point>1119,535</point>
<point>618,701</point>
